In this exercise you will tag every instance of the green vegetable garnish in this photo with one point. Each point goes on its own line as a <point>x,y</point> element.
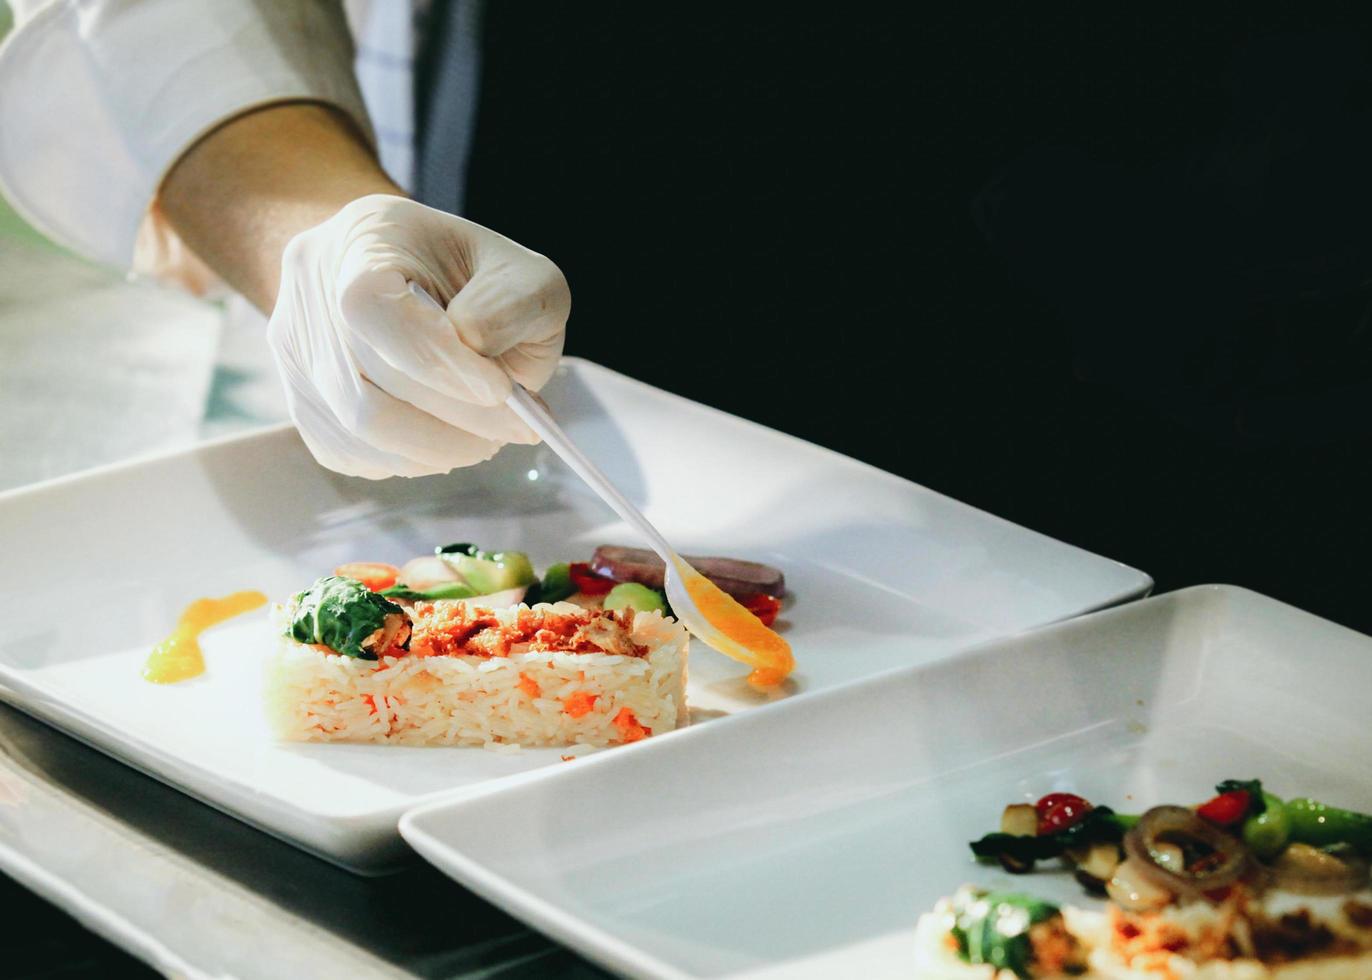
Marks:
<point>557,585</point>
<point>342,614</point>
<point>1253,787</point>
<point>487,572</point>
<point>632,595</point>
<point>1266,833</point>
<point>1099,825</point>
<point>1271,824</point>
<point>993,928</point>
<point>1320,825</point>
<point>448,590</point>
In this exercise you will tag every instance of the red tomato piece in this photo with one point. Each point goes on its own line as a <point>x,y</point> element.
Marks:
<point>588,581</point>
<point>1226,809</point>
<point>375,575</point>
<point>1058,811</point>
<point>764,607</point>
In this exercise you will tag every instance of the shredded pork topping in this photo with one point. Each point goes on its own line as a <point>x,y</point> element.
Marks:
<point>1237,927</point>
<point>454,628</point>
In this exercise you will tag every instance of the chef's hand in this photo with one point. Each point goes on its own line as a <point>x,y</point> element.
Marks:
<point>381,382</point>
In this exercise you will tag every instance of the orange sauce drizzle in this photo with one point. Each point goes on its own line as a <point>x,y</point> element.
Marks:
<point>178,657</point>
<point>750,642</point>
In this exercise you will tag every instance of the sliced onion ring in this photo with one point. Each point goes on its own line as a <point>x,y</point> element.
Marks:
<point>1308,870</point>
<point>1178,825</point>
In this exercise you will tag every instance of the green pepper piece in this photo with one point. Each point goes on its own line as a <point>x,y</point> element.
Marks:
<point>1319,825</point>
<point>1266,833</point>
<point>491,572</point>
<point>632,595</point>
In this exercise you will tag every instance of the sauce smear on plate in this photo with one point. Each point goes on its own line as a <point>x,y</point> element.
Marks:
<point>754,644</point>
<point>178,657</point>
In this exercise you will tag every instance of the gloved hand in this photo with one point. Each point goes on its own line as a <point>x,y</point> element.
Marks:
<point>381,382</point>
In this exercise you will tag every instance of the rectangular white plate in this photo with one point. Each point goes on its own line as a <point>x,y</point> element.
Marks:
<point>98,567</point>
<point>806,840</point>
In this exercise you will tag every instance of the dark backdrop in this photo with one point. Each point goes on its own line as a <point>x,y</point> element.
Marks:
<point>1104,274</point>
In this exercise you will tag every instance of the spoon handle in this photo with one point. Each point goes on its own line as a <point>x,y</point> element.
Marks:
<point>533,412</point>
<point>538,418</point>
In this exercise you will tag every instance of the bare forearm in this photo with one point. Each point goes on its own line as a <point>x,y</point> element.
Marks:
<point>241,193</point>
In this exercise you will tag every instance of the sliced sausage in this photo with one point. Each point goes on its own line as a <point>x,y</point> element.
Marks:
<point>741,579</point>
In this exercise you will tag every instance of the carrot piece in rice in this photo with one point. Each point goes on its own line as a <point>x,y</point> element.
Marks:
<point>629,728</point>
<point>579,703</point>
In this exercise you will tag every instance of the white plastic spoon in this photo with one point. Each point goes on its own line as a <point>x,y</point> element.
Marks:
<point>706,610</point>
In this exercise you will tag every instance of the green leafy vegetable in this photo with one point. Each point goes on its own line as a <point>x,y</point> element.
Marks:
<point>993,928</point>
<point>1099,825</point>
<point>461,548</point>
<point>556,585</point>
<point>345,616</point>
<point>448,590</point>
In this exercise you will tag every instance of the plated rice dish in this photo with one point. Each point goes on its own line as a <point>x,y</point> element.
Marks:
<point>549,674</point>
<point>1245,886</point>
<point>466,647</point>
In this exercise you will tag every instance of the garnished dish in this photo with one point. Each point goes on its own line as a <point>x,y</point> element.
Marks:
<point>469,647</point>
<point>1244,886</point>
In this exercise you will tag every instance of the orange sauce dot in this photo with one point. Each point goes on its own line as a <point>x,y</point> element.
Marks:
<point>178,657</point>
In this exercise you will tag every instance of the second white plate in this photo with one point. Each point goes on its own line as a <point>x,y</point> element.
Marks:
<point>806,841</point>
<point>98,567</point>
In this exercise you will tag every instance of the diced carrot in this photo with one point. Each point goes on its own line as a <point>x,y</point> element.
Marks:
<point>629,728</point>
<point>375,575</point>
<point>579,703</point>
<point>567,758</point>
<point>529,686</point>
<point>371,703</point>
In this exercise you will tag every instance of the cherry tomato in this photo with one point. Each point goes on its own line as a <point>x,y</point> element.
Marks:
<point>1058,811</point>
<point>1226,809</point>
<point>375,575</point>
<point>764,607</point>
<point>588,581</point>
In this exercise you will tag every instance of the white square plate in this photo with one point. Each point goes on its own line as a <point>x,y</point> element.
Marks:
<point>805,841</point>
<point>98,567</point>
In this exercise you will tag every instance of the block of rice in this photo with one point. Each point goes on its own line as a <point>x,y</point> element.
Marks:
<point>353,666</point>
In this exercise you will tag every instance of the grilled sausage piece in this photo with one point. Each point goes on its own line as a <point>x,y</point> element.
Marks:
<point>741,579</point>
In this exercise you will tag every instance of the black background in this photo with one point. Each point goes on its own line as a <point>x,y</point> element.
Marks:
<point>1101,273</point>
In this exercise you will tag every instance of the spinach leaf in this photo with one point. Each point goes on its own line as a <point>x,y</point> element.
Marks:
<point>993,928</point>
<point>1099,825</point>
<point>341,614</point>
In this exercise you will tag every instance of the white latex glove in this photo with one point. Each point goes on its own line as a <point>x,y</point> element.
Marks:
<point>382,383</point>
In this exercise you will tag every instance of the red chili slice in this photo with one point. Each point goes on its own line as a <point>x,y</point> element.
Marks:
<point>588,581</point>
<point>1226,809</point>
<point>1058,811</point>
<point>764,607</point>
